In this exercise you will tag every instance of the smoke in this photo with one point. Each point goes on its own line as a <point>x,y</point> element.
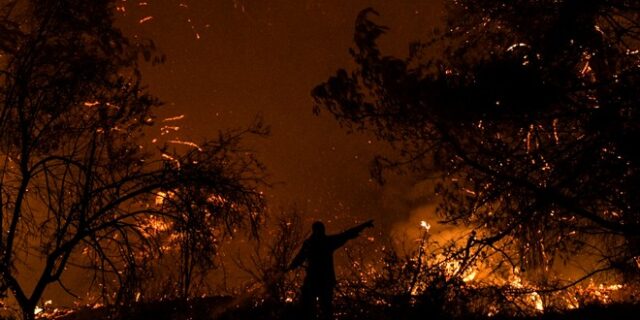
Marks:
<point>407,231</point>
<point>409,203</point>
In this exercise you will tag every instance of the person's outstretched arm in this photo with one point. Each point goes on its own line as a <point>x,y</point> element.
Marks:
<point>300,257</point>
<point>341,238</point>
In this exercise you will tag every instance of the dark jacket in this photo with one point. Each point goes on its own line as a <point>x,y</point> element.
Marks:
<point>318,252</point>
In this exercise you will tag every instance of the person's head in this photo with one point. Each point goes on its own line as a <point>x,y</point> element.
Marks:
<point>318,228</point>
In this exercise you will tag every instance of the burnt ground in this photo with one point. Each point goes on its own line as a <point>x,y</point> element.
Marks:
<point>226,308</point>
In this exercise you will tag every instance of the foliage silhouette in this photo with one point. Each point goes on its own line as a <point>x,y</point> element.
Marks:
<point>78,181</point>
<point>528,123</point>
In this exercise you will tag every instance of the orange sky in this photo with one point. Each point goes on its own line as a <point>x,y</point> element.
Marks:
<point>264,57</point>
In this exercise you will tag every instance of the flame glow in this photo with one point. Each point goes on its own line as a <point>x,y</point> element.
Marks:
<point>424,224</point>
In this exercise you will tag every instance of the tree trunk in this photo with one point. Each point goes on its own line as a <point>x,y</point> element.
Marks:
<point>28,311</point>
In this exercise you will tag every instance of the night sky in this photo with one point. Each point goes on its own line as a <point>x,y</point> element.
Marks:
<point>228,61</point>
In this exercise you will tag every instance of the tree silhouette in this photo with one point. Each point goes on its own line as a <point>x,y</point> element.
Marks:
<point>78,182</point>
<point>526,114</point>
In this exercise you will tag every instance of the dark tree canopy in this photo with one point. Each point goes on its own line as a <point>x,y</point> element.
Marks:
<point>527,114</point>
<point>79,184</point>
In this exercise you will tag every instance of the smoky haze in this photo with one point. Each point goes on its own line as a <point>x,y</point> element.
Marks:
<point>228,61</point>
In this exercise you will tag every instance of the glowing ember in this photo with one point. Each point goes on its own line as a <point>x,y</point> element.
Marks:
<point>91,103</point>
<point>145,19</point>
<point>516,45</point>
<point>186,143</point>
<point>216,199</point>
<point>425,225</point>
<point>168,129</point>
<point>175,118</point>
<point>170,158</point>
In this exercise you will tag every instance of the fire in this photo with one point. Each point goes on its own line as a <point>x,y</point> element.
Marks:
<point>535,297</point>
<point>160,196</point>
<point>454,268</point>
<point>469,277</point>
<point>155,224</point>
<point>424,224</point>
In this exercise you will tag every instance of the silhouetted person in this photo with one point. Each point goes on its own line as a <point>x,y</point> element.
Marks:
<point>320,278</point>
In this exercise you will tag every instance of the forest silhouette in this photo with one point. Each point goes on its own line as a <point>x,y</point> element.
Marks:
<point>523,114</point>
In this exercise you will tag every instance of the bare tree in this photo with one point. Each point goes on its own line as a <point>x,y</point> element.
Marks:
<point>526,122</point>
<point>273,254</point>
<point>77,181</point>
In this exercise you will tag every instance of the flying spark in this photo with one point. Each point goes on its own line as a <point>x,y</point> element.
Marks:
<point>175,118</point>
<point>145,19</point>
<point>186,143</point>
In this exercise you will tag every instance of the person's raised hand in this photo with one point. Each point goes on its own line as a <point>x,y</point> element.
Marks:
<point>369,224</point>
